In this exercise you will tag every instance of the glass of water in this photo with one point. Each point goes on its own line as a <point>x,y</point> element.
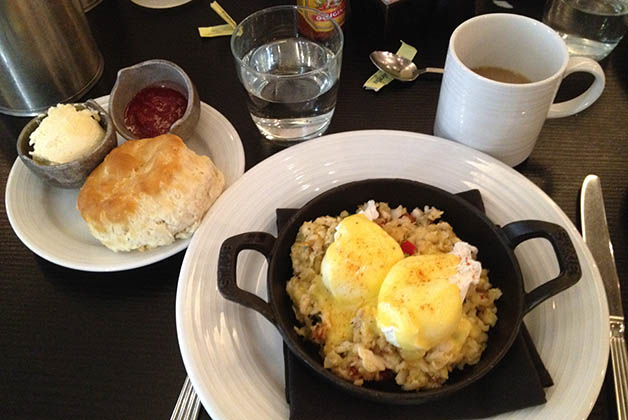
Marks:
<point>288,59</point>
<point>590,28</point>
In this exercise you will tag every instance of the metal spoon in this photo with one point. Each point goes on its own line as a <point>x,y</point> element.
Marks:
<point>398,67</point>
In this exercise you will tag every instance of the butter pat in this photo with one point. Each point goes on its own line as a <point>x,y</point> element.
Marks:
<point>66,134</point>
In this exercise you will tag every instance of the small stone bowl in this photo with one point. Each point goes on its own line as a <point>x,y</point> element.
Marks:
<point>152,72</point>
<point>71,174</point>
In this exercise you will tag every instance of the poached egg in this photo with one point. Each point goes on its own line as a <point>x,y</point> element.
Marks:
<point>420,300</point>
<point>356,263</point>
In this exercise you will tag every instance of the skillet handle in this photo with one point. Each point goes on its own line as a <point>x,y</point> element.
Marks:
<point>568,264</point>
<point>227,264</point>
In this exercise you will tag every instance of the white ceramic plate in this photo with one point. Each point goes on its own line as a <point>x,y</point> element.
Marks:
<point>46,220</point>
<point>234,356</point>
<point>160,4</point>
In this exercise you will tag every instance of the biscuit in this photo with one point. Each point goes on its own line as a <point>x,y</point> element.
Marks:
<point>148,193</point>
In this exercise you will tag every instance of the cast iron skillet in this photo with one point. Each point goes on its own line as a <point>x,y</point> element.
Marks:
<point>495,244</point>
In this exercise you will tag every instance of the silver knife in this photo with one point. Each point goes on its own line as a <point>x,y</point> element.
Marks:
<point>597,238</point>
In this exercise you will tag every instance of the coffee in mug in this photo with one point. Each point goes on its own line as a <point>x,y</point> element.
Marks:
<point>501,76</point>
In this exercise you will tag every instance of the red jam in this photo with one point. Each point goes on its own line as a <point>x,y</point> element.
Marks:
<point>153,110</point>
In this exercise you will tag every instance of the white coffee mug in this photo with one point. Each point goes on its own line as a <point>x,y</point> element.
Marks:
<point>504,119</point>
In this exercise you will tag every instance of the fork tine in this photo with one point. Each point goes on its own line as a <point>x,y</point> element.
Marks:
<point>186,408</point>
<point>186,400</point>
<point>191,412</point>
<point>188,404</point>
<point>182,396</point>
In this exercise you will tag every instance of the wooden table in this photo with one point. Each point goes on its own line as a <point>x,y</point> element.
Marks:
<point>103,345</point>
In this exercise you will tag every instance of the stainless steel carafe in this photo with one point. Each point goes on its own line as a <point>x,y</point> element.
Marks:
<point>47,55</point>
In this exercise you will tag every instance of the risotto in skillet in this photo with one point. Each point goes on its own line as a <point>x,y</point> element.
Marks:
<point>390,293</point>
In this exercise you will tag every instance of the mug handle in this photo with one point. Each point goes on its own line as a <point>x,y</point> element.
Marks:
<point>586,99</point>
<point>227,262</point>
<point>569,266</point>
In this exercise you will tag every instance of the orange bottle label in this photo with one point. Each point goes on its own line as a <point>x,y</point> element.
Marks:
<point>336,9</point>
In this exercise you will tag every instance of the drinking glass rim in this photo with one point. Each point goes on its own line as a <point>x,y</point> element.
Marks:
<point>552,33</point>
<point>335,25</point>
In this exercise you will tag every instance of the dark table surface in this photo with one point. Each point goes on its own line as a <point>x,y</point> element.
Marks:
<point>103,345</point>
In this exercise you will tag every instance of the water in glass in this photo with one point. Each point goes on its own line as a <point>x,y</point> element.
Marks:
<point>292,88</point>
<point>590,28</point>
